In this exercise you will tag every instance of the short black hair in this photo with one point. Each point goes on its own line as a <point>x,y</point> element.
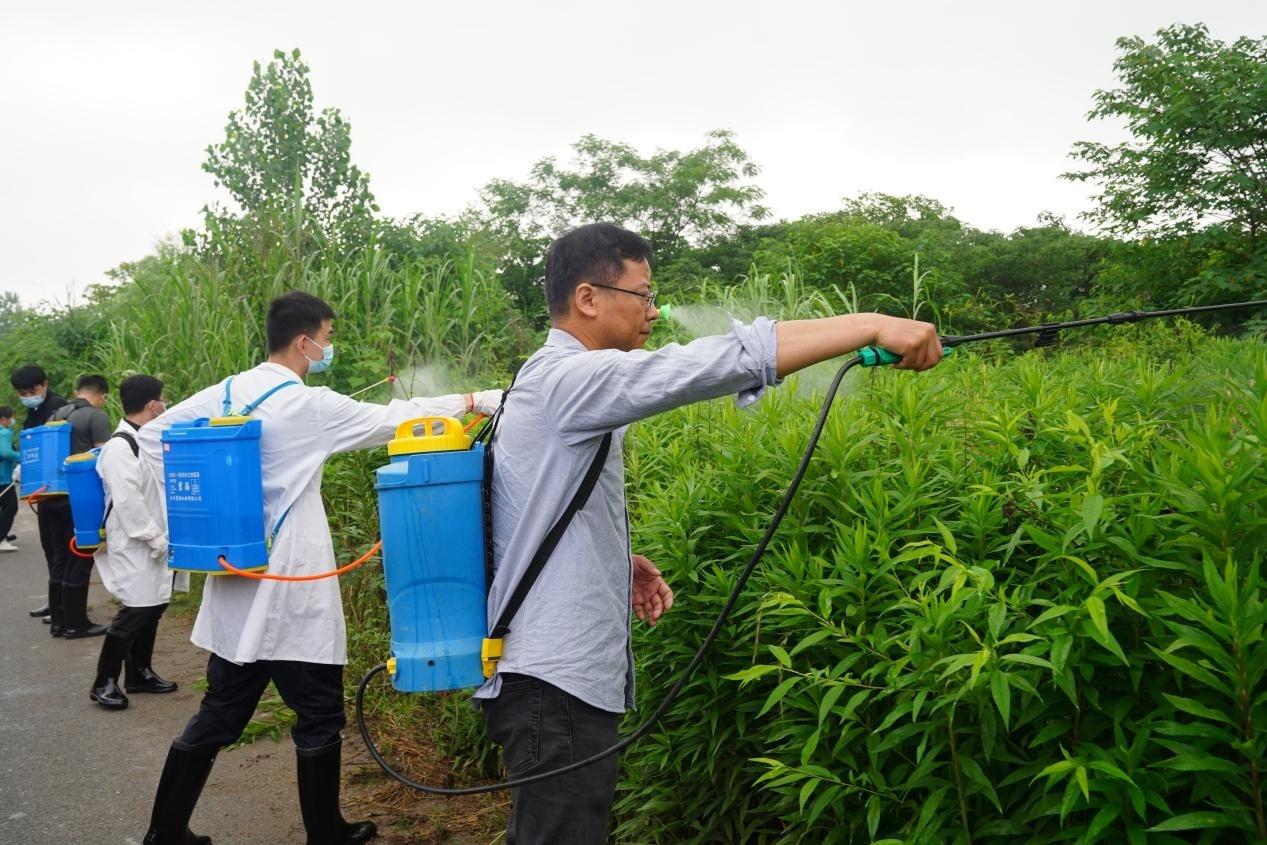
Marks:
<point>27,377</point>
<point>135,392</point>
<point>593,253</point>
<point>293,314</point>
<point>6,412</point>
<point>95,383</point>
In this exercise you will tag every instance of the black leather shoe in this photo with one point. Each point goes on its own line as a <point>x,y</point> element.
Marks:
<point>56,630</point>
<point>80,633</point>
<point>43,611</point>
<point>109,696</point>
<point>146,680</point>
<point>47,620</point>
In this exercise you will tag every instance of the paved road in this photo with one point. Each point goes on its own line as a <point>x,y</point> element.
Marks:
<point>72,773</point>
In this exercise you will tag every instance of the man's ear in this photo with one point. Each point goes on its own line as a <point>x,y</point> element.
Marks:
<point>583,300</point>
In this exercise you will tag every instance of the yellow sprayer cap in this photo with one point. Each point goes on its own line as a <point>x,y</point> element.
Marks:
<point>232,419</point>
<point>81,456</point>
<point>440,434</point>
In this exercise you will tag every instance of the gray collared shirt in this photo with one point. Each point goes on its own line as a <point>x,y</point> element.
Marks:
<point>573,629</point>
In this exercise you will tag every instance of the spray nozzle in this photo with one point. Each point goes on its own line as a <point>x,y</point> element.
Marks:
<point>666,310</point>
<point>875,356</point>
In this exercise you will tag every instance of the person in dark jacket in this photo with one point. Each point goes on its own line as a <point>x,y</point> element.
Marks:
<point>43,406</point>
<point>53,516</point>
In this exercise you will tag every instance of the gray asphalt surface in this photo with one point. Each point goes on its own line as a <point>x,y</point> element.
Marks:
<point>72,773</point>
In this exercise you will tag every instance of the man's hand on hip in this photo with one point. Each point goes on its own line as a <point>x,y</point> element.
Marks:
<point>651,595</point>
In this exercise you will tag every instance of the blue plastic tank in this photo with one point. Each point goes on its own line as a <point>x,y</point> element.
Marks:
<point>431,515</point>
<point>45,449</point>
<point>214,495</point>
<point>87,499</point>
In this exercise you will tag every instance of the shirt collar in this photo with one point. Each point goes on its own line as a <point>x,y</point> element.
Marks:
<point>559,337</point>
<point>280,370</point>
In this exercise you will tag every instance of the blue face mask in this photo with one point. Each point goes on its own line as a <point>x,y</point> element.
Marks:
<point>327,358</point>
<point>32,402</point>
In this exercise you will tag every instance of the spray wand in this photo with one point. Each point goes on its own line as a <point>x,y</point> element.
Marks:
<point>870,356</point>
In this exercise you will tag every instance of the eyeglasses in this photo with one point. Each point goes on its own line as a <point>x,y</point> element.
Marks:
<point>648,297</point>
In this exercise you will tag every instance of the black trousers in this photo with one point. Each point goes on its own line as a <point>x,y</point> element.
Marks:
<point>541,727</point>
<point>313,690</point>
<point>130,621</point>
<point>56,530</point>
<point>8,510</point>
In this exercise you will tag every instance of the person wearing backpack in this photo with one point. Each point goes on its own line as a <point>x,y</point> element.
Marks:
<point>53,514</point>
<point>291,633</point>
<point>565,579</point>
<point>133,561</point>
<point>89,428</point>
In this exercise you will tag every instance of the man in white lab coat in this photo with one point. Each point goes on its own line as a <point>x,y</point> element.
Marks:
<point>291,633</point>
<point>133,561</point>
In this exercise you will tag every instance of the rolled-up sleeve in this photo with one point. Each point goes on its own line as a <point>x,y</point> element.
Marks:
<point>594,392</point>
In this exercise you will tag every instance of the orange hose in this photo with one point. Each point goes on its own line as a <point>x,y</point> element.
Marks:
<point>35,497</point>
<point>74,549</point>
<point>264,576</point>
<point>473,422</point>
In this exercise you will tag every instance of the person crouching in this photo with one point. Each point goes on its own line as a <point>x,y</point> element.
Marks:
<point>133,562</point>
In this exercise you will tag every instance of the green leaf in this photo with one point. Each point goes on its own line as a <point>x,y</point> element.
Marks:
<point>1095,609</point>
<point>1002,695</point>
<point>1193,821</point>
<point>777,695</point>
<point>1102,820</point>
<point>781,655</point>
<point>1196,708</point>
<point>829,701</point>
<point>1080,775</point>
<point>973,770</point>
<point>1092,508</point>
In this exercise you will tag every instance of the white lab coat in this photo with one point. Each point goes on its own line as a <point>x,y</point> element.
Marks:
<point>133,563</point>
<point>244,620</point>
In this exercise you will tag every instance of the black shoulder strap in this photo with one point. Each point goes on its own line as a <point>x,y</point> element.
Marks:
<point>136,453</point>
<point>123,435</point>
<point>538,562</point>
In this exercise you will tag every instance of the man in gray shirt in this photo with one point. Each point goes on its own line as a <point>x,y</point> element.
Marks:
<point>89,427</point>
<point>566,671</point>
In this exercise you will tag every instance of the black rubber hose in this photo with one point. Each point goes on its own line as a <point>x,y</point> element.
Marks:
<point>667,702</point>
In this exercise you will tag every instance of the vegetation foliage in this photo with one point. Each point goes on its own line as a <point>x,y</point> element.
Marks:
<point>1019,598</point>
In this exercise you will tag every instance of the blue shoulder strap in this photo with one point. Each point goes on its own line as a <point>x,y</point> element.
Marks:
<point>227,404</point>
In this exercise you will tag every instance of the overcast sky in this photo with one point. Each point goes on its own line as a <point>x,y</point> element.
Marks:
<point>107,108</point>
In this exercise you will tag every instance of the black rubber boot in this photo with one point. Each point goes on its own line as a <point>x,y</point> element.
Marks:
<point>75,611</point>
<point>319,771</point>
<point>141,677</point>
<point>105,689</point>
<point>56,618</point>
<point>184,775</point>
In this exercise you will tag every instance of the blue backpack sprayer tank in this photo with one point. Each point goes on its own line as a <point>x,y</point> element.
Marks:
<point>430,506</point>
<point>87,500</point>
<point>44,452</point>
<point>214,491</point>
<point>88,507</point>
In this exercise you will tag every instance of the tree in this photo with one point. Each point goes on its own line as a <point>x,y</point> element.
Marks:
<point>281,160</point>
<point>676,200</point>
<point>1197,157</point>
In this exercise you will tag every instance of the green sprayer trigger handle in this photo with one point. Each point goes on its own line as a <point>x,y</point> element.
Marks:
<point>875,356</point>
